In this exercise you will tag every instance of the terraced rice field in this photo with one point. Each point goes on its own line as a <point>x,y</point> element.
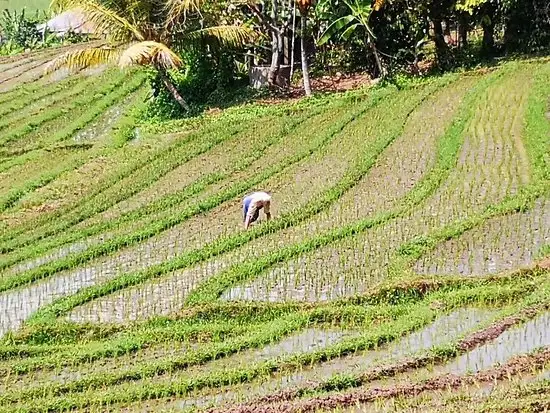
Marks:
<point>406,267</point>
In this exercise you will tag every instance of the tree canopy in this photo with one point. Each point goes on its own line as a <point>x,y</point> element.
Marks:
<point>203,42</point>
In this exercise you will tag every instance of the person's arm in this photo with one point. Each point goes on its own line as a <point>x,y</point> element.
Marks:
<point>249,215</point>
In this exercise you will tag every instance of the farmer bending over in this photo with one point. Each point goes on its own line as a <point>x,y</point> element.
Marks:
<point>252,205</point>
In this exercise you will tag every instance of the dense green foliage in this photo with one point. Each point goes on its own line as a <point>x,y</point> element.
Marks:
<point>381,37</point>
<point>206,81</point>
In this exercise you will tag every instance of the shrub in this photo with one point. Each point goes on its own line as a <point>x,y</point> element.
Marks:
<point>206,80</point>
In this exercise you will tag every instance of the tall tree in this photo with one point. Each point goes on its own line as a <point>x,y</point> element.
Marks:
<point>485,12</point>
<point>147,33</point>
<point>488,21</point>
<point>304,6</point>
<point>439,11</point>
<point>275,17</point>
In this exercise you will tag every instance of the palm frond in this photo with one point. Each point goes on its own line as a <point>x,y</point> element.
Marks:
<point>104,18</point>
<point>83,58</point>
<point>150,53</point>
<point>60,4</point>
<point>57,6</point>
<point>177,10</point>
<point>233,36</point>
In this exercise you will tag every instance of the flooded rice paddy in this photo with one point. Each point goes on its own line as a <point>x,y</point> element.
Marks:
<point>407,223</point>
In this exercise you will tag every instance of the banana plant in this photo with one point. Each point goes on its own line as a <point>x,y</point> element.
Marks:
<point>358,18</point>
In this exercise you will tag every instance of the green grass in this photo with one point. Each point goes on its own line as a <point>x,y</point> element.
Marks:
<point>29,5</point>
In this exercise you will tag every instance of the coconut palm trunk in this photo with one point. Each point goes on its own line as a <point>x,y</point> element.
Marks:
<point>305,68</point>
<point>172,89</point>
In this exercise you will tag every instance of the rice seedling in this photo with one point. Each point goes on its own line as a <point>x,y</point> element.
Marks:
<point>28,98</point>
<point>415,317</point>
<point>374,263</point>
<point>29,70</point>
<point>140,173</point>
<point>155,245</point>
<point>501,244</point>
<point>17,192</point>
<point>407,253</point>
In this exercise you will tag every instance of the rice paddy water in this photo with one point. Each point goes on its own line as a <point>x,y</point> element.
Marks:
<point>408,254</point>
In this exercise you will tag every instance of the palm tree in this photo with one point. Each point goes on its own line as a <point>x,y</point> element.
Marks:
<point>147,33</point>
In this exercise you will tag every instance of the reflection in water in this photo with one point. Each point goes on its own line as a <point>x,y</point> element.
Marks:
<point>443,330</point>
<point>520,340</point>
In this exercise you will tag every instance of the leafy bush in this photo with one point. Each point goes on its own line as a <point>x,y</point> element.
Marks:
<point>206,80</point>
<point>19,30</point>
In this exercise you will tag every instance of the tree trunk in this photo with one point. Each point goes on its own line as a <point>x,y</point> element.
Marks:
<point>305,68</point>
<point>172,89</point>
<point>447,32</point>
<point>275,48</point>
<point>488,25</point>
<point>274,69</point>
<point>293,42</point>
<point>374,50</point>
<point>463,29</point>
<point>441,46</point>
<point>439,39</point>
<point>488,37</point>
<point>280,80</point>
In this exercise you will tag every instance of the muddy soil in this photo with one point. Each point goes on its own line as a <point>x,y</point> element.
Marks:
<point>332,401</point>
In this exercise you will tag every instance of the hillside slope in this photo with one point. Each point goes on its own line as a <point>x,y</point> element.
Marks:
<point>406,254</point>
